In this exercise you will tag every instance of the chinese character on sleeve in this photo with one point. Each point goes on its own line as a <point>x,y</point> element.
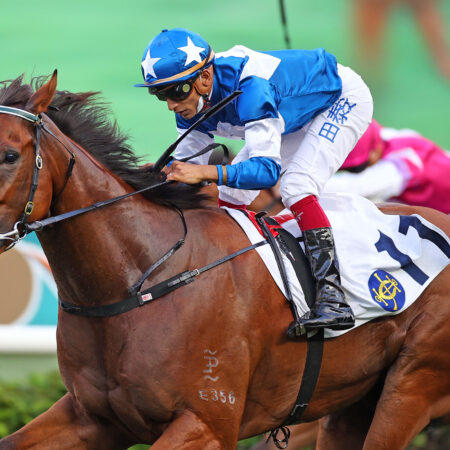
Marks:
<point>329,131</point>
<point>339,111</point>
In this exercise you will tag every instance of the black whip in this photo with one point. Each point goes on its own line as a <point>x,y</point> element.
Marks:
<point>163,159</point>
<point>284,22</point>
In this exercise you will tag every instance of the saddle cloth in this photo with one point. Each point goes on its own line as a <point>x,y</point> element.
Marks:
<point>386,261</point>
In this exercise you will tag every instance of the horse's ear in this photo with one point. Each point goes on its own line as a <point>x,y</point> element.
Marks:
<point>41,99</point>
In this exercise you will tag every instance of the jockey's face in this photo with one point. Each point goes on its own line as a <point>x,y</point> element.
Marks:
<point>187,108</point>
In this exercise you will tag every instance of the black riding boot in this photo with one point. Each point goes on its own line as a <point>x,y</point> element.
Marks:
<point>330,309</point>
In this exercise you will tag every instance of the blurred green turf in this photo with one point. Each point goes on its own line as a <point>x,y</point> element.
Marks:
<point>97,45</point>
<point>20,366</point>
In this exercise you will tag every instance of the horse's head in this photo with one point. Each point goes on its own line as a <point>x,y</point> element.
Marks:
<point>74,123</point>
<point>25,183</point>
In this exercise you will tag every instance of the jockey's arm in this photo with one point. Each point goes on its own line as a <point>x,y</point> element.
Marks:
<point>191,144</point>
<point>197,169</point>
<point>260,169</point>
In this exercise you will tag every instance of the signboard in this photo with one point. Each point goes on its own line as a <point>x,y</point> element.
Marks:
<point>28,300</point>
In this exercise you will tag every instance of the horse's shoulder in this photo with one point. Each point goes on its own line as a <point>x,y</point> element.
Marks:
<point>209,218</point>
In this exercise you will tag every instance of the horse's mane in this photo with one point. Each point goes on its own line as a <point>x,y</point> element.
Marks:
<point>84,117</point>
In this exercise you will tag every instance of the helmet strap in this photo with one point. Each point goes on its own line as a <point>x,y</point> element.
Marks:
<point>200,104</point>
<point>203,102</point>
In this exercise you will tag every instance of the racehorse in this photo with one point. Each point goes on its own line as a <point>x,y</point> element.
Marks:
<point>208,363</point>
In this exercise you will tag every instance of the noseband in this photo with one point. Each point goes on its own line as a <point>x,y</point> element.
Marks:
<point>19,232</point>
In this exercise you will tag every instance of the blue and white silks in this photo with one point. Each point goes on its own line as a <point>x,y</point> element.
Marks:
<point>281,92</point>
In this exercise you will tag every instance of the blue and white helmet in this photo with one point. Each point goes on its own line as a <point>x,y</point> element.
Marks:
<point>173,56</point>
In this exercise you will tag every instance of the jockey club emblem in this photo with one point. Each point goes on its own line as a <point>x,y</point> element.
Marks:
<point>386,291</point>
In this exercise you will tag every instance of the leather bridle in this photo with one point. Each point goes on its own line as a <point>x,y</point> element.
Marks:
<point>20,228</point>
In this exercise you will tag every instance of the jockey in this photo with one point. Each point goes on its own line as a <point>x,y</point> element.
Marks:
<point>396,165</point>
<point>299,112</point>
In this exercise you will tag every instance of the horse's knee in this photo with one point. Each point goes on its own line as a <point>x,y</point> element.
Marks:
<point>189,432</point>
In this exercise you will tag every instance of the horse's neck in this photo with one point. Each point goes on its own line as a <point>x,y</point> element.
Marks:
<point>105,251</point>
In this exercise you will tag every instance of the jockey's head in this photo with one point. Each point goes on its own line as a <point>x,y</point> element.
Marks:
<point>367,151</point>
<point>177,68</point>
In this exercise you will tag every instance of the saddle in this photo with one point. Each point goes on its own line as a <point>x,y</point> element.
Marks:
<point>281,240</point>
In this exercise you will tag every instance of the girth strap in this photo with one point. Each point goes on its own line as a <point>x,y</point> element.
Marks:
<point>313,363</point>
<point>310,376</point>
<point>150,294</point>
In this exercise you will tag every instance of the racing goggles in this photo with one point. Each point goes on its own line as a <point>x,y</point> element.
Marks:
<point>177,92</point>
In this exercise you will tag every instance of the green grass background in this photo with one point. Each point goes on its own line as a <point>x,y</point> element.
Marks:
<point>97,45</point>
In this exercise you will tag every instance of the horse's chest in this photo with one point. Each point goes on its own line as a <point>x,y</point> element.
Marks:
<point>119,397</point>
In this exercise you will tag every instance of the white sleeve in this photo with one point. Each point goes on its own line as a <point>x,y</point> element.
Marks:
<point>263,138</point>
<point>191,144</point>
<point>379,182</point>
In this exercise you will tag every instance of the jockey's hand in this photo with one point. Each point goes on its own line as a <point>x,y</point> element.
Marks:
<point>190,173</point>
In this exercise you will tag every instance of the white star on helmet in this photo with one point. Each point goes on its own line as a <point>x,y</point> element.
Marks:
<point>192,52</point>
<point>148,64</point>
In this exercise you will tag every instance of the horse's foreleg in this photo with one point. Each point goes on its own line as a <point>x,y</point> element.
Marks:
<point>63,427</point>
<point>188,432</point>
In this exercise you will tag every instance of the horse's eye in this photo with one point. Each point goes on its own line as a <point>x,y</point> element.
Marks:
<point>10,157</point>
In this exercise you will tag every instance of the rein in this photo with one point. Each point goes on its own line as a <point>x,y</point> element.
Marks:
<point>138,298</point>
<point>38,225</point>
<point>16,234</point>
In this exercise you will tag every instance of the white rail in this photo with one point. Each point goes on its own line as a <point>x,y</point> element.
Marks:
<point>27,339</point>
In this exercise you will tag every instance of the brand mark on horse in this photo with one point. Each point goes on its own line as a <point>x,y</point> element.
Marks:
<point>211,363</point>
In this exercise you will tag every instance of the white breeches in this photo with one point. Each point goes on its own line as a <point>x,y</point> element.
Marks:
<point>314,153</point>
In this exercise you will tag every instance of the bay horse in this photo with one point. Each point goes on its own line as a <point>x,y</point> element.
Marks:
<point>209,363</point>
